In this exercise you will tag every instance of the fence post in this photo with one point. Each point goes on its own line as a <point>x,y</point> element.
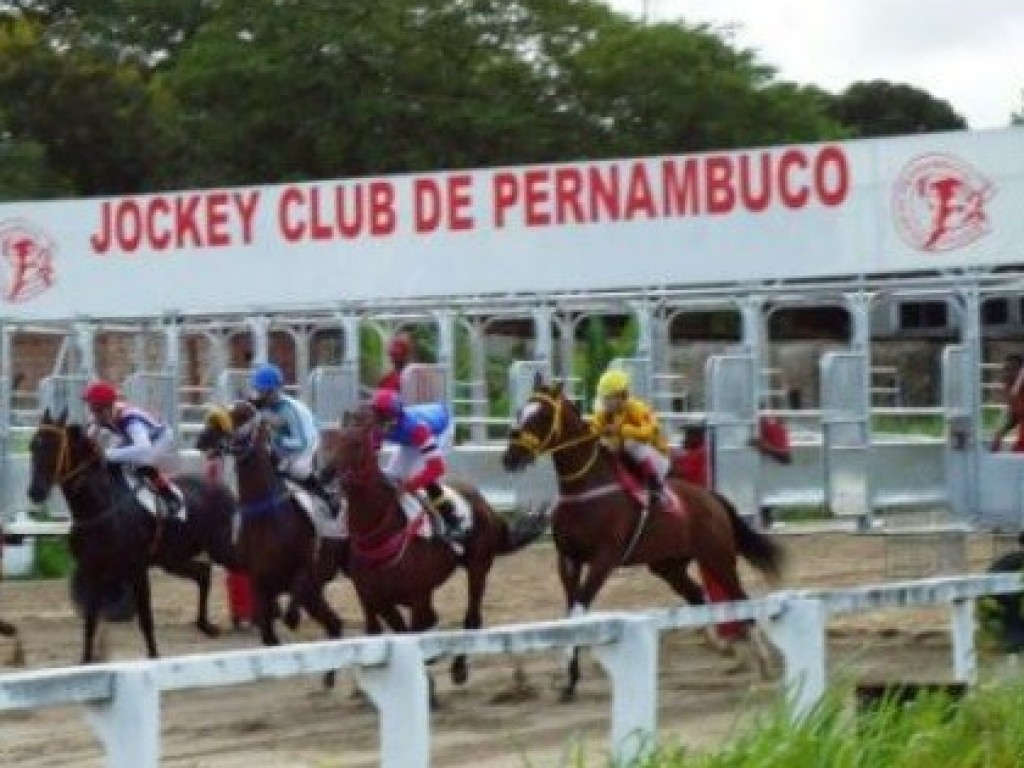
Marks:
<point>632,665</point>
<point>400,691</point>
<point>799,633</point>
<point>129,724</point>
<point>965,660</point>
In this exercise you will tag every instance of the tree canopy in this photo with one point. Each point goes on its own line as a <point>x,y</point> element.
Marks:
<point>125,96</point>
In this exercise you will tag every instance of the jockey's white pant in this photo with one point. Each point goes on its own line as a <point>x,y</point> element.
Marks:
<point>646,455</point>
<point>407,460</point>
<point>298,466</point>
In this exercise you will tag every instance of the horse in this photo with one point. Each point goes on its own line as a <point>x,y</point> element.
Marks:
<point>277,542</point>
<point>393,566</point>
<point>115,540</point>
<point>599,524</point>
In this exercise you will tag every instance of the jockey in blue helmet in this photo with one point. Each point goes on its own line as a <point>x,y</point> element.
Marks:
<point>294,434</point>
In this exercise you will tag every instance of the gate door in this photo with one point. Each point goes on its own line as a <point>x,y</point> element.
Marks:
<point>846,434</point>
<point>732,415</point>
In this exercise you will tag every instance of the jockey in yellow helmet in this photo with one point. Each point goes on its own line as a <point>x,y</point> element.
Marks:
<point>628,424</point>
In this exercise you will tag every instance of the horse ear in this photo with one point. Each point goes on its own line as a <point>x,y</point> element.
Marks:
<point>62,417</point>
<point>47,418</point>
<point>538,381</point>
<point>556,388</point>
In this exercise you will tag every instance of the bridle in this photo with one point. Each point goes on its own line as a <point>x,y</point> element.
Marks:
<point>64,469</point>
<point>553,442</point>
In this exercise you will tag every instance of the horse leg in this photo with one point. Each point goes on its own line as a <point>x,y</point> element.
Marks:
<point>89,623</point>
<point>310,594</point>
<point>199,572</point>
<point>570,573</point>
<point>476,577</point>
<point>674,573</point>
<point>265,610</point>
<point>424,618</point>
<point>144,604</point>
<point>597,574</point>
<point>17,657</point>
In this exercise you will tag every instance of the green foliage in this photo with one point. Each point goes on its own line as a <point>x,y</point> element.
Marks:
<point>881,108</point>
<point>52,560</point>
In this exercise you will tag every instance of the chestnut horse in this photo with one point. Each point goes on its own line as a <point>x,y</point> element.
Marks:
<point>277,543</point>
<point>114,539</point>
<point>599,525</point>
<point>391,565</point>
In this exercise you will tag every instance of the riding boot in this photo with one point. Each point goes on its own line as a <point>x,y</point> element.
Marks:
<point>446,510</point>
<point>172,504</point>
<point>314,486</point>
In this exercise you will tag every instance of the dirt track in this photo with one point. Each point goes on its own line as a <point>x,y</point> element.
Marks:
<point>292,723</point>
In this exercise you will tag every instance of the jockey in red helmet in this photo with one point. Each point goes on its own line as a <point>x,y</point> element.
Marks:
<point>400,353</point>
<point>423,434</point>
<point>143,439</point>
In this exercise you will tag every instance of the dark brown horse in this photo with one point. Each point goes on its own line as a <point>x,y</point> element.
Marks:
<point>599,525</point>
<point>115,540</point>
<point>391,565</point>
<point>277,543</point>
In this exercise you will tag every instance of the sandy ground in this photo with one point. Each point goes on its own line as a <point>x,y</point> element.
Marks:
<point>293,723</point>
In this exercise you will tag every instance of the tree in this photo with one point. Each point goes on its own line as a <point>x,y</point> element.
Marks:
<point>881,108</point>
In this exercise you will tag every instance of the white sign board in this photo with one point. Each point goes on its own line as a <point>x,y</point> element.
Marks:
<point>864,207</point>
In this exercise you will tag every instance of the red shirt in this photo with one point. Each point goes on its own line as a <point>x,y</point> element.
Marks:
<point>691,464</point>
<point>391,380</point>
<point>774,433</point>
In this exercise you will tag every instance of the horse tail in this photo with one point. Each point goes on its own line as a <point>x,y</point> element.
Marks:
<point>760,550</point>
<point>520,531</point>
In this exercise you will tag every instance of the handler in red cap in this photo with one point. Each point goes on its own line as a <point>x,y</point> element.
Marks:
<point>400,352</point>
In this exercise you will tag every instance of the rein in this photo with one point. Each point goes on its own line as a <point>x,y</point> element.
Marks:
<point>64,470</point>
<point>551,443</point>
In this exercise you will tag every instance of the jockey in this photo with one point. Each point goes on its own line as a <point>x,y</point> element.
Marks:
<point>423,434</point>
<point>629,425</point>
<point>142,438</point>
<point>294,435</point>
<point>400,353</point>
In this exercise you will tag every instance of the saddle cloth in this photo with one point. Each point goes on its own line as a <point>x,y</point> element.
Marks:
<point>153,502</point>
<point>324,523</point>
<point>415,505</point>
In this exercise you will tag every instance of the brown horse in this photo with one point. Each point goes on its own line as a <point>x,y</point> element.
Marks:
<point>115,540</point>
<point>391,565</point>
<point>598,524</point>
<point>277,543</point>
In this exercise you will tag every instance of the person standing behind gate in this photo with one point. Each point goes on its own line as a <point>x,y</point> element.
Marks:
<point>400,352</point>
<point>692,462</point>
<point>772,440</point>
<point>1013,394</point>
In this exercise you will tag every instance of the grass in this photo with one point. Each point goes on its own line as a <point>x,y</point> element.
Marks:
<point>52,560</point>
<point>983,730</point>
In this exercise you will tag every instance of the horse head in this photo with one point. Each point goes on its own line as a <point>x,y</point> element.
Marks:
<point>59,451</point>
<point>236,430</point>
<point>547,423</point>
<point>353,450</point>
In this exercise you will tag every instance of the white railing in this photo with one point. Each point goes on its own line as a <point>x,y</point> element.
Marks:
<point>123,699</point>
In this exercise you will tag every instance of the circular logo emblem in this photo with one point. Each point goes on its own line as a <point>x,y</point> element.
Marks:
<point>939,203</point>
<point>26,261</point>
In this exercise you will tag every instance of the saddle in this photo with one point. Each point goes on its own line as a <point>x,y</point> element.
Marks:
<point>150,498</point>
<point>430,525</point>
<point>325,523</point>
<point>634,485</point>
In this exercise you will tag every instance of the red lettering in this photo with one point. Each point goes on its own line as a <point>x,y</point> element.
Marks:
<point>318,228</point>
<point>832,176</point>
<point>426,205</point>
<point>160,237</point>
<point>794,194</point>
<point>537,196</point>
<point>604,194</point>
<point>639,198</point>
<point>129,226</point>
<point>759,200</point>
<point>185,223</point>
<point>382,207</point>
<point>460,201</point>
<point>102,240</point>
<point>681,194</point>
<point>505,194</point>
<point>719,192</point>
<point>247,203</point>
<point>352,225</point>
<point>292,228</point>
<point>217,232</point>
<point>568,205</point>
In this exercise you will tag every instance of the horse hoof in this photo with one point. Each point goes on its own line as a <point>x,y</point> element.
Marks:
<point>291,618</point>
<point>329,679</point>
<point>460,671</point>
<point>208,629</point>
<point>568,696</point>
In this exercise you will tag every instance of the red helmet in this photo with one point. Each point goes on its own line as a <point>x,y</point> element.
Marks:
<point>400,347</point>
<point>100,393</point>
<point>387,403</point>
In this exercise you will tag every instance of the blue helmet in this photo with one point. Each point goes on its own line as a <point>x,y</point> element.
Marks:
<point>266,378</point>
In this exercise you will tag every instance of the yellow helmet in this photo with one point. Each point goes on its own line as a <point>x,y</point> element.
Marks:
<point>612,382</point>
